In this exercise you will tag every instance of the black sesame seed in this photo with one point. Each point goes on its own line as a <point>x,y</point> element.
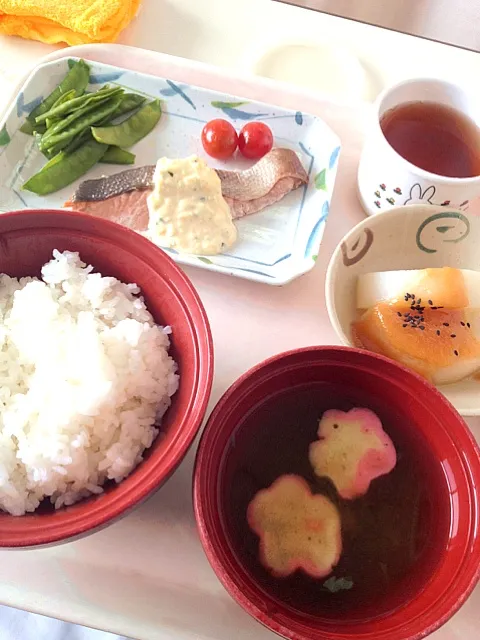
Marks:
<point>406,297</point>
<point>453,335</point>
<point>422,327</point>
<point>404,325</point>
<point>438,332</point>
<point>462,323</point>
<point>456,352</point>
<point>438,307</point>
<point>468,325</point>
<point>430,302</point>
<point>435,308</point>
<point>419,301</point>
<point>445,324</point>
<point>399,314</point>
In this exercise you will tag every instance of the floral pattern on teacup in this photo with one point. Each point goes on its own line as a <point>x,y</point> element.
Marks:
<point>388,196</point>
<point>416,195</point>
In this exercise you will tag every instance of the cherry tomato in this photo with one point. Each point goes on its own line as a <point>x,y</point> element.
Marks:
<point>219,139</point>
<point>255,140</point>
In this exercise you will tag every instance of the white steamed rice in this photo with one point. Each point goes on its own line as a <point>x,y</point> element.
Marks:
<point>85,376</point>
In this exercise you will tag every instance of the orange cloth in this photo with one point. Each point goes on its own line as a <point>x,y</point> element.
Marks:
<point>70,21</point>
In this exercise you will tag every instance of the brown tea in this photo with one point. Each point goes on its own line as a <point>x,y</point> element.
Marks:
<point>434,137</point>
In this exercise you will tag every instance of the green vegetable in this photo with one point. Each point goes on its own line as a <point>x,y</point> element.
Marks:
<point>4,136</point>
<point>77,141</point>
<point>76,78</point>
<point>65,122</point>
<point>30,128</point>
<point>62,131</point>
<point>63,98</point>
<point>338,584</point>
<point>82,137</point>
<point>27,127</point>
<point>50,122</point>
<point>56,158</point>
<point>38,138</point>
<point>115,155</point>
<point>130,101</point>
<point>57,174</point>
<point>70,106</point>
<point>131,130</point>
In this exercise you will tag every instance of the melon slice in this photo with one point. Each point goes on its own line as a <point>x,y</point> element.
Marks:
<point>297,530</point>
<point>443,287</point>
<point>443,345</point>
<point>352,450</point>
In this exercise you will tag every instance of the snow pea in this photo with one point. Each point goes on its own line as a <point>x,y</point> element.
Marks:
<point>76,78</point>
<point>79,139</point>
<point>31,128</point>
<point>58,173</point>
<point>63,131</point>
<point>130,101</point>
<point>64,123</point>
<point>131,130</point>
<point>47,153</point>
<point>115,155</point>
<point>71,105</point>
<point>56,158</point>
<point>70,95</point>
<point>50,121</point>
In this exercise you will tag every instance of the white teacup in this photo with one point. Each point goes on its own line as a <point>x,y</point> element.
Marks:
<point>386,179</point>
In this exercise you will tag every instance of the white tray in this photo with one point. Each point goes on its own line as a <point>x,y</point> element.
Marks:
<point>146,577</point>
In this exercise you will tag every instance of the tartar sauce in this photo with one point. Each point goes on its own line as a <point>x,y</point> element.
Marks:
<point>187,209</point>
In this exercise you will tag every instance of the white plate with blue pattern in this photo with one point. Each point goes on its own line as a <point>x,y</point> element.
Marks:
<point>275,245</point>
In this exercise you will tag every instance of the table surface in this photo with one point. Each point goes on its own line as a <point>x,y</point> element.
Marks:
<point>241,36</point>
<point>450,21</point>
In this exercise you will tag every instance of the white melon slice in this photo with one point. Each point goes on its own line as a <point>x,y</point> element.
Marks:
<point>444,287</point>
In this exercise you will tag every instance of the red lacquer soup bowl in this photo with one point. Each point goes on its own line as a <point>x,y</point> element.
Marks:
<point>261,429</point>
<point>27,239</point>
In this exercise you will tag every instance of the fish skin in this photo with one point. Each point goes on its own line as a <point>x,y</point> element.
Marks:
<point>114,185</point>
<point>246,192</point>
<point>259,180</point>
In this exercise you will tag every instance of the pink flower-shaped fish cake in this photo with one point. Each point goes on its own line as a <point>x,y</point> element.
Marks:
<point>352,450</point>
<point>297,530</point>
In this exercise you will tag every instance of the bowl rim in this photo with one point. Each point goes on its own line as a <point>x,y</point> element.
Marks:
<point>371,221</point>
<point>212,536</point>
<point>111,510</point>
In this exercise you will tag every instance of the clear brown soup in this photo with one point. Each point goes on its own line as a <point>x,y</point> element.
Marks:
<point>434,137</point>
<point>387,546</point>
